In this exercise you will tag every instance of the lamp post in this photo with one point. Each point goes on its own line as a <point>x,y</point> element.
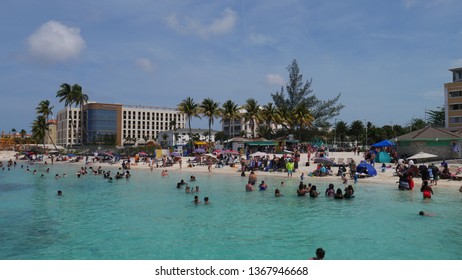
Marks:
<point>365,124</point>
<point>335,132</point>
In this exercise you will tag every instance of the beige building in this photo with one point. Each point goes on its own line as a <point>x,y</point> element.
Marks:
<point>453,100</point>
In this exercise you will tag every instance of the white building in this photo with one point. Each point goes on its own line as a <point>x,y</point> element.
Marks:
<point>121,124</point>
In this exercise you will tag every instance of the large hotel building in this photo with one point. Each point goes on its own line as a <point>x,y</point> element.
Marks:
<point>453,100</point>
<point>115,123</point>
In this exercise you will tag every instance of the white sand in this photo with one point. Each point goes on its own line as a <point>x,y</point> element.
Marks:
<point>382,177</point>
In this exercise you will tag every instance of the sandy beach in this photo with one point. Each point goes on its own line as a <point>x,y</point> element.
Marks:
<point>385,177</point>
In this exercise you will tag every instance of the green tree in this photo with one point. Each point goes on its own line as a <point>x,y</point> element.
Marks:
<point>45,109</point>
<point>341,131</point>
<point>416,124</point>
<point>252,114</point>
<point>270,117</point>
<point>299,93</point>
<point>230,112</point>
<point>357,130</point>
<point>190,109</point>
<point>80,99</point>
<point>39,128</point>
<point>437,117</point>
<point>302,117</point>
<point>209,109</point>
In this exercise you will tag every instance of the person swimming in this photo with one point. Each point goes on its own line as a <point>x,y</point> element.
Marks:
<point>330,191</point>
<point>320,253</point>
<point>263,186</point>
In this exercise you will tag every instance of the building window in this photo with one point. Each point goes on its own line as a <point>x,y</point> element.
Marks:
<point>455,120</point>
<point>455,107</point>
<point>453,94</point>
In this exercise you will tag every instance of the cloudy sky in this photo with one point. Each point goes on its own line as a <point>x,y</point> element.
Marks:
<point>388,59</point>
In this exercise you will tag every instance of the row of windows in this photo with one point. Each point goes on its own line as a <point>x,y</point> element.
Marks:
<point>149,115</point>
<point>453,94</point>
<point>455,120</point>
<point>455,107</point>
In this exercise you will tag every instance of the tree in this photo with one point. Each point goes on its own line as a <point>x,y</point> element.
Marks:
<point>209,109</point>
<point>252,114</point>
<point>44,109</point>
<point>190,109</point>
<point>299,93</point>
<point>437,117</point>
<point>221,137</point>
<point>357,130</point>
<point>80,99</point>
<point>269,114</point>
<point>302,117</point>
<point>341,130</point>
<point>172,125</point>
<point>230,112</point>
<point>416,124</point>
<point>39,128</point>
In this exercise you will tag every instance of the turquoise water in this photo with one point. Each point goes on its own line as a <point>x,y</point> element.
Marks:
<point>147,217</point>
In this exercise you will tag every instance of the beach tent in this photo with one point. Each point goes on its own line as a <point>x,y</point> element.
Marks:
<point>383,157</point>
<point>366,166</point>
<point>383,143</point>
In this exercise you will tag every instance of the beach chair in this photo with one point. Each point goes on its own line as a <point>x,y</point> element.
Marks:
<point>340,161</point>
<point>349,160</point>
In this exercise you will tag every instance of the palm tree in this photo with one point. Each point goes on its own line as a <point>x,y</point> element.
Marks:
<point>190,109</point>
<point>252,114</point>
<point>23,133</point>
<point>39,127</point>
<point>210,109</point>
<point>302,117</point>
<point>66,94</point>
<point>44,109</point>
<point>172,125</point>
<point>230,112</point>
<point>73,95</point>
<point>80,99</point>
<point>269,113</point>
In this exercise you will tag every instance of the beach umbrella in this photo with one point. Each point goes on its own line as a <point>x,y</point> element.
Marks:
<point>324,161</point>
<point>230,152</point>
<point>422,155</point>
<point>258,154</point>
<point>210,155</point>
<point>199,150</point>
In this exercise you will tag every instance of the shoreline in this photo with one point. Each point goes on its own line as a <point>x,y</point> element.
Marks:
<point>386,177</point>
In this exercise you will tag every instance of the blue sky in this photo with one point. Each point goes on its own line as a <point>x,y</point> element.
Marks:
<point>388,59</point>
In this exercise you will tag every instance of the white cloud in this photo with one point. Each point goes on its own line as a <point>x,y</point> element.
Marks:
<point>55,42</point>
<point>219,26</point>
<point>145,64</point>
<point>260,39</point>
<point>275,79</point>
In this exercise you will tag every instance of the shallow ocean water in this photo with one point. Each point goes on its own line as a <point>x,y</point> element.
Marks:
<point>148,218</point>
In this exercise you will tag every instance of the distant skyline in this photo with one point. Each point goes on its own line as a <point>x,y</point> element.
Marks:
<point>388,59</point>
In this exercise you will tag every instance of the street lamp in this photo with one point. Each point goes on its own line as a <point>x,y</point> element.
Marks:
<point>365,123</point>
<point>335,132</point>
